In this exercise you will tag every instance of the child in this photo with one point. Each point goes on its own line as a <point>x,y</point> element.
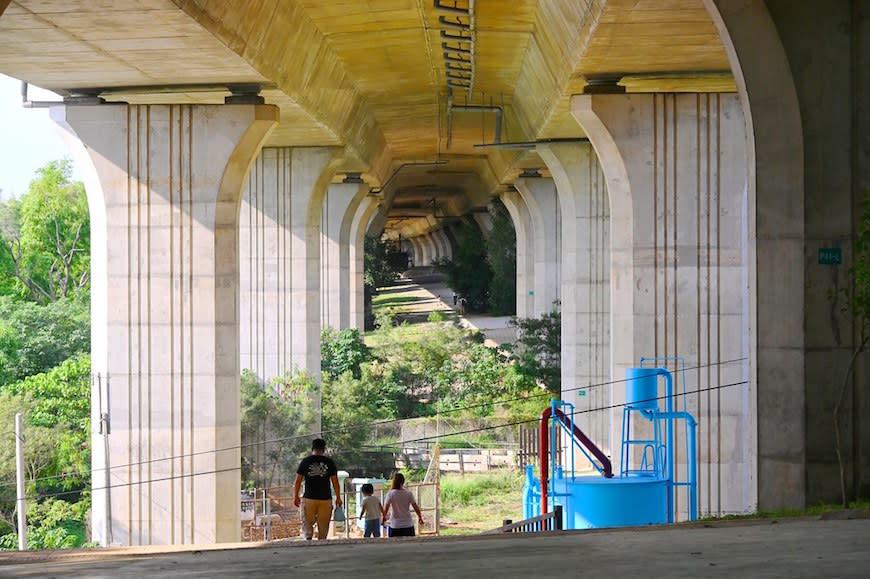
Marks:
<point>372,510</point>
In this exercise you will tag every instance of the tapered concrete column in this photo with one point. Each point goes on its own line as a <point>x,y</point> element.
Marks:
<point>676,173</point>
<point>484,222</point>
<point>416,252</point>
<point>445,249</point>
<point>519,213</point>
<point>540,197</point>
<point>781,358</point>
<point>585,278</point>
<point>339,208</point>
<point>264,256</point>
<point>365,210</point>
<point>281,305</point>
<point>429,250</point>
<point>164,184</point>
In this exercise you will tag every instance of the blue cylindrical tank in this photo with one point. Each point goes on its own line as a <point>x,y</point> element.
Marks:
<point>641,388</point>
<point>593,502</point>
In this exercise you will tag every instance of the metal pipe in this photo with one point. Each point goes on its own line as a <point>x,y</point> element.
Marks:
<point>19,481</point>
<point>481,108</point>
<point>29,104</point>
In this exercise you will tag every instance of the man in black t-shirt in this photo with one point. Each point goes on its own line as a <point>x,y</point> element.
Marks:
<point>319,472</point>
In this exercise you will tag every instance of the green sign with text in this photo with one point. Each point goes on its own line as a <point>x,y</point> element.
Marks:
<point>830,256</point>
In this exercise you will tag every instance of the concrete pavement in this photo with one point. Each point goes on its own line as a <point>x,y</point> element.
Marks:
<point>799,547</point>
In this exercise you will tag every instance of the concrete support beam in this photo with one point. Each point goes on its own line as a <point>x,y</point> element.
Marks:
<point>339,209</point>
<point>582,214</point>
<point>521,219</point>
<point>676,174</point>
<point>542,202</point>
<point>164,184</point>
<point>359,224</point>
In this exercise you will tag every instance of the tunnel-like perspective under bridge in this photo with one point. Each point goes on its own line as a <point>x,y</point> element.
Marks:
<point>672,169</point>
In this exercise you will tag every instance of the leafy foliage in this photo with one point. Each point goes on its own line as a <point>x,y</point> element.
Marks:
<point>46,236</point>
<point>276,422</point>
<point>501,251</point>
<point>469,272</point>
<point>34,338</point>
<point>539,348</point>
<point>382,263</point>
<point>342,351</point>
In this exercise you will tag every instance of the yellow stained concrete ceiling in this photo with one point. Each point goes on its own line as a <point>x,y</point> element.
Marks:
<point>370,75</point>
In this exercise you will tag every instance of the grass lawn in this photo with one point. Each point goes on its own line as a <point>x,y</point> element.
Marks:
<point>475,503</point>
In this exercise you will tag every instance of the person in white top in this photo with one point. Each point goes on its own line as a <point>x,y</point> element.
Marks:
<point>371,510</point>
<point>397,511</point>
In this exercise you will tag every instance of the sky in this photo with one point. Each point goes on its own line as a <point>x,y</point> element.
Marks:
<point>27,138</point>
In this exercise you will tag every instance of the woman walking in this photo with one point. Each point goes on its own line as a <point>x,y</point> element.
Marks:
<point>397,511</point>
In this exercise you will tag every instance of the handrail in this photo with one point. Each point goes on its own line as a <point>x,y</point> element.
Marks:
<point>546,522</point>
<point>606,466</point>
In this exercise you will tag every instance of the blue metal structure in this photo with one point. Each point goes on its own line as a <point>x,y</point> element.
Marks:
<point>643,493</point>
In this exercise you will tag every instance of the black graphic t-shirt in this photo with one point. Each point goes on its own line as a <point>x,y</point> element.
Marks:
<point>317,470</point>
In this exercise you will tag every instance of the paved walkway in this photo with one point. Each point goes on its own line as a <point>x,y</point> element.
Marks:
<point>785,548</point>
<point>432,294</point>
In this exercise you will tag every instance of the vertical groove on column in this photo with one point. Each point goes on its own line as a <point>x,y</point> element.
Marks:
<point>182,365</point>
<point>129,378</point>
<point>190,170</point>
<point>148,312</point>
<point>171,192</point>
<point>718,197</point>
<point>655,193</point>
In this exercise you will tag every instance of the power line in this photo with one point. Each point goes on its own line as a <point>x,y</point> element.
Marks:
<point>362,425</point>
<point>402,442</point>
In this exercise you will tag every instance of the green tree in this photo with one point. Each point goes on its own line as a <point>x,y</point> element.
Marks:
<point>469,273</point>
<point>501,252</point>
<point>342,351</point>
<point>276,422</point>
<point>61,402</point>
<point>382,263</point>
<point>39,451</point>
<point>46,236</point>
<point>538,349</point>
<point>34,338</point>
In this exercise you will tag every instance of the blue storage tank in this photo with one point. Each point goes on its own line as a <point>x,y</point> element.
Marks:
<point>641,388</point>
<point>594,502</point>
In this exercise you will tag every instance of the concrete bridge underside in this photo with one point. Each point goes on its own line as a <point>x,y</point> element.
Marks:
<point>671,169</point>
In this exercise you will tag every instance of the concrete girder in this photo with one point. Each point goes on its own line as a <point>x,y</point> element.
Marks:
<point>163,185</point>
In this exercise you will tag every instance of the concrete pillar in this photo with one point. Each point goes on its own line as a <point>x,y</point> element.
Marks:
<point>484,222</point>
<point>778,278</point>
<point>585,278</point>
<point>416,252</point>
<point>541,199</point>
<point>519,213</point>
<point>281,307</point>
<point>339,209</point>
<point>444,248</point>
<point>264,261</point>
<point>676,174</point>
<point>429,251</point>
<point>163,184</point>
<point>361,219</point>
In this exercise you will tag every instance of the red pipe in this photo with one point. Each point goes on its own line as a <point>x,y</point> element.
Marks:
<point>545,450</point>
